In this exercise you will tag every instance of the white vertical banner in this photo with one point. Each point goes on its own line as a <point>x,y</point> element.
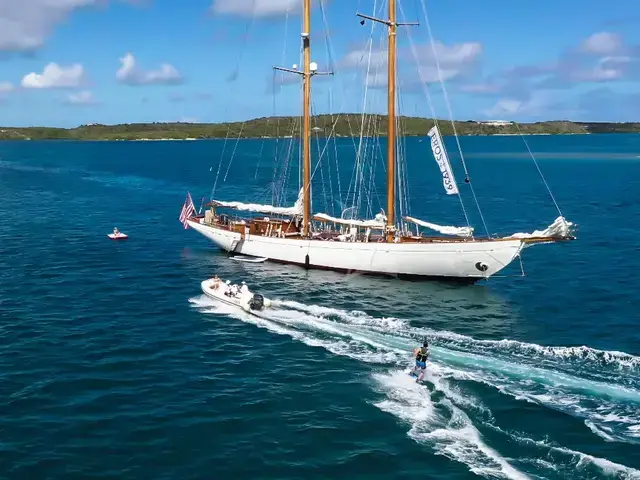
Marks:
<point>440,154</point>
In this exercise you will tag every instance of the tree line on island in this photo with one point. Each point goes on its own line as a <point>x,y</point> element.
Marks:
<point>346,125</point>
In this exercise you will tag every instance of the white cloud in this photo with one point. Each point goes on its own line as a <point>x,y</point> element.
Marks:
<point>602,43</point>
<point>25,24</point>
<point>55,76</point>
<point>454,61</point>
<point>483,88</point>
<point>130,74</point>
<point>259,8</point>
<point>605,69</point>
<point>538,104</point>
<point>362,58</point>
<point>429,74</point>
<point>81,98</point>
<point>505,107</point>
<point>458,53</point>
<point>6,87</point>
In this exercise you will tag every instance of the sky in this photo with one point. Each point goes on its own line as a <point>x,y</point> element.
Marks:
<point>71,62</point>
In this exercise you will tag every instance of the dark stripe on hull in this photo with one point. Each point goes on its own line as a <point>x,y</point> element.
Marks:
<point>402,276</point>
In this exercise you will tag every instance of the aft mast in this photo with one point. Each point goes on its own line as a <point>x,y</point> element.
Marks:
<point>306,117</point>
<point>309,69</point>
<point>392,25</point>
<point>391,119</point>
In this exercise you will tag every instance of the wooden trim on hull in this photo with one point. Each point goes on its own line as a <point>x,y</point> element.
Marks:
<point>405,239</point>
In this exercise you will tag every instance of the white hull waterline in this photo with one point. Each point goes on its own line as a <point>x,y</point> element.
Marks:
<point>468,260</point>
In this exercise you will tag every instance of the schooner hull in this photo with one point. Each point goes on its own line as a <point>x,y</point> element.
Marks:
<point>468,261</point>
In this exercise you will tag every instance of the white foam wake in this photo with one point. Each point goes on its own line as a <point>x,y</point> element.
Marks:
<point>563,378</point>
<point>445,426</point>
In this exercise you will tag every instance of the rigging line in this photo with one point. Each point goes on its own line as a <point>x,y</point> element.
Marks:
<point>364,103</point>
<point>453,125</point>
<point>369,122</point>
<point>366,167</point>
<point>226,138</point>
<point>401,149</point>
<point>319,161</point>
<point>255,175</point>
<point>296,124</point>
<point>330,104</point>
<point>370,163</point>
<point>327,38</point>
<point>331,53</point>
<point>402,163</point>
<point>425,89</point>
<point>277,126</point>
<point>326,145</point>
<point>539,170</point>
<point>277,142</point>
<point>233,154</point>
<point>368,46</point>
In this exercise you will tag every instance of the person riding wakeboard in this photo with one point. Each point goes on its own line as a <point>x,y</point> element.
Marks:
<point>421,355</point>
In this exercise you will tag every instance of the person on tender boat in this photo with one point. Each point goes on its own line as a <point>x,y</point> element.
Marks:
<point>216,283</point>
<point>421,355</point>
<point>115,231</point>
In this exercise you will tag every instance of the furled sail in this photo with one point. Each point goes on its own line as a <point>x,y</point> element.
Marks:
<point>440,154</point>
<point>445,230</point>
<point>378,222</point>
<point>560,228</point>
<point>296,210</point>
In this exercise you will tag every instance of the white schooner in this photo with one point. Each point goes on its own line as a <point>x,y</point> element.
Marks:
<point>382,245</point>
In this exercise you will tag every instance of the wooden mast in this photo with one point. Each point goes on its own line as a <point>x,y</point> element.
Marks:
<point>391,119</point>
<point>309,70</point>
<point>306,116</point>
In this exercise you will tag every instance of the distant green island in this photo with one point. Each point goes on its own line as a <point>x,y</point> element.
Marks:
<point>343,125</point>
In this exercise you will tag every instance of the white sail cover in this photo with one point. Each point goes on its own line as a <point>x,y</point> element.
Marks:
<point>445,230</point>
<point>379,222</point>
<point>440,154</point>
<point>559,228</point>
<point>296,210</point>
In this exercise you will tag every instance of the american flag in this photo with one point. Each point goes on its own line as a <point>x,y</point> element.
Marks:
<point>187,210</point>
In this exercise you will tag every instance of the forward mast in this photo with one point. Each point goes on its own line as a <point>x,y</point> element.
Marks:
<point>309,69</point>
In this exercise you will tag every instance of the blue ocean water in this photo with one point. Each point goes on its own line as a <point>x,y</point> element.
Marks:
<point>113,365</point>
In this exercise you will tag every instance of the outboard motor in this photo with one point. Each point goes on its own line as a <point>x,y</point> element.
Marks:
<point>256,302</point>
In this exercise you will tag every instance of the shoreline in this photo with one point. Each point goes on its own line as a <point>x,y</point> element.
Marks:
<point>288,137</point>
<point>344,125</point>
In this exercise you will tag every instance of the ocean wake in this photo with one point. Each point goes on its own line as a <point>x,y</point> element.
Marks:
<point>601,389</point>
